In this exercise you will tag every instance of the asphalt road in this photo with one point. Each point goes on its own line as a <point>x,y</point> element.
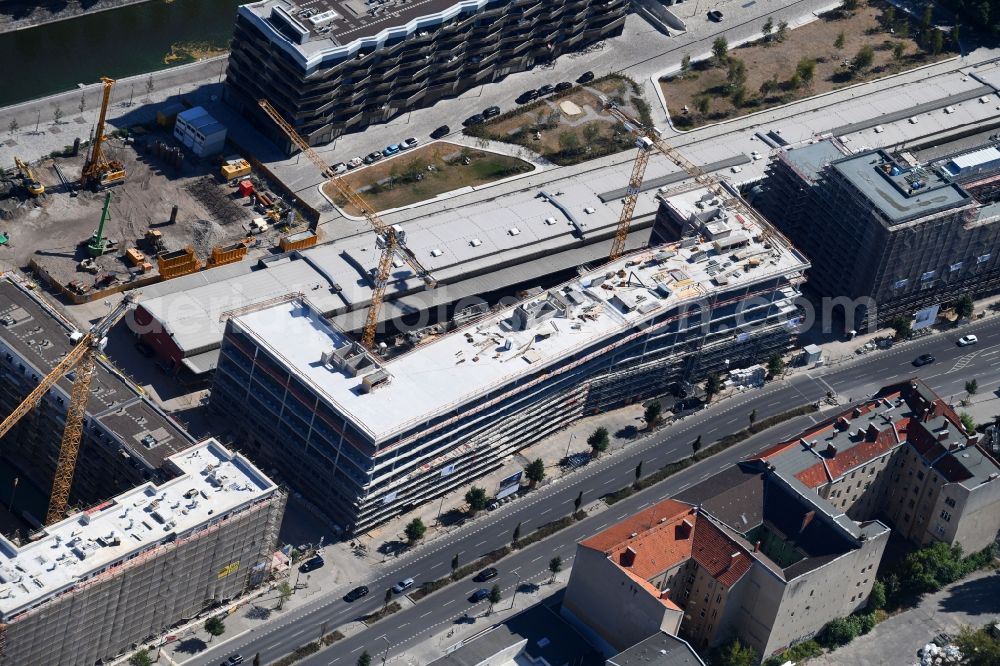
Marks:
<point>855,378</point>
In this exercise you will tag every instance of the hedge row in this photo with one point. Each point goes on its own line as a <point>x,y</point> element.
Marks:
<point>383,612</point>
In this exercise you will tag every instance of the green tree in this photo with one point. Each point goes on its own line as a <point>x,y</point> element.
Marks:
<point>876,599</point>
<point>767,29</point>
<point>964,306</point>
<point>851,5</point>
<point>150,85</point>
<point>82,106</point>
<point>535,471</point>
<point>555,566</point>
<point>888,18</point>
<point>955,34</point>
<point>476,499</point>
<point>599,441</point>
<point>837,632</point>
<point>738,96</point>
<point>753,417</point>
<point>215,626</point>
<point>591,133</point>
<point>365,659</point>
<point>931,568</point>
<point>937,41</point>
<point>454,563</point>
<point>898,51</point>
<point>736,74</point>
<point>928,19</point>
<point>903,30</point>
<point>840,41</point>
<point>494,598</point>
<point>284,591</point>
<point>767,86</point>
<point>57,114</point>
<point>734,653</point>
<point>775,365</point>
<point>807,70</point>
<point>978,647</point>
<point>415,530</point>
<point>720,49</point>
<point>795,82</point>
<point>140,658</point>
<point>569,143</point>
<point>387,598</point>
<point>713,385</point>
<point>972,386</point>
<point>968,422</point>
<point>704,106</point>
<point>902,326</point>
<point>782,32</point>
<point>516,536</point>
<point>864,58</point>
<point>685,64</point>
<point>653,412</point>
<point>12,126</point>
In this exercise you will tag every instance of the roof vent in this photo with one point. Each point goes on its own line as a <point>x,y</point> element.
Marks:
<point>475,242</point>
<point>831,450</point>
<point>436,252</point>
<point>513,231</point>
<point>633,535</point>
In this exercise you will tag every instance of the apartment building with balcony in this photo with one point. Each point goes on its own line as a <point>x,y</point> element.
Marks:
<point>911,237</point>
<point>337,66</point>
<point>368,438</point>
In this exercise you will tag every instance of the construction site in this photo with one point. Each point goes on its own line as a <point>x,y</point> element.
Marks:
<point>139,204</point>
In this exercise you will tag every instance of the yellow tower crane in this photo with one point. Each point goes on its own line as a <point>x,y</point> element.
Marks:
<point>647,142</point>
<point>82,359</point>
<point>98,169</point>
<point>390,240</point>
<point>29,181</point>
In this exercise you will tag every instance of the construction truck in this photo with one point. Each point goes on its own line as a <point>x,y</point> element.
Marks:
<point>28,180</point>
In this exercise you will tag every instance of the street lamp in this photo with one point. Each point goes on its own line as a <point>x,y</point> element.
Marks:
<point>568,445</point>
<point>516,585</point>
<point>386,654</point>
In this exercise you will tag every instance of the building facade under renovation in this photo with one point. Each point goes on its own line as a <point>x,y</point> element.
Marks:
<point>337,66</point>
<point>368,438</point>
<point>911,237</point>
<point>126,438</point>
<point>124,571</point>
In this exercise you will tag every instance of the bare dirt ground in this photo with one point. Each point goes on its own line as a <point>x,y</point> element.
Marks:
<point>54,229</point>
<point>773,64</point>
<point>425,172</point>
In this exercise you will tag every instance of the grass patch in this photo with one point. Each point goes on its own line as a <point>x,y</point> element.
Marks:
<point>383,612</point>
<point>298,654</point>
<point>424,173</point>
<point>726,442</point>
<point>771,67</point>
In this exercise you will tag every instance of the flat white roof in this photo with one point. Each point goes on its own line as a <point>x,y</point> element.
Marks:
<point>212,483</point>
<point>448,371</point>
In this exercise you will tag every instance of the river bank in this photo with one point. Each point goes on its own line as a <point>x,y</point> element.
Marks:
<point>19,14</point>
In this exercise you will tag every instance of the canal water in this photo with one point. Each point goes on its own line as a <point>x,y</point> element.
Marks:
<point>138,38</point>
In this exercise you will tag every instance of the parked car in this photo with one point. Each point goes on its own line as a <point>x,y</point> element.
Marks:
<point>527,96</point>
<point>715,15</point>
<point>442,131</point>
<point>355,162</point>
<point>924,359</point>
<point>356,594</point>
<point>486,574</point>
<point>314,562</point>
<point>491,112</point>
<point>234,660</point>
<point>479,595</point>
<point>492,506</point>
<point>340,167</point>
<point>547,89</point>
<point>586,77</point>
<point>402,586</point>
<point>391,149</point>
<point>967,340</point>
<point>474,120</point>
<point>408,143</point>
<point>563,86</point>
<point>372,158</point>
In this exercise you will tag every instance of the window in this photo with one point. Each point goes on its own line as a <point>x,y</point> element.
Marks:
<point>929,275</point>
<point>946,516</point>
<point>912,504</point>
<point>920,475</point>
<point>899,284</point>
<point>950,502</point>
<point>983,258</point>
<point>955,267</point>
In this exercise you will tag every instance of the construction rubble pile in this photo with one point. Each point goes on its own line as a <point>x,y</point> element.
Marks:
<point>933,654</point>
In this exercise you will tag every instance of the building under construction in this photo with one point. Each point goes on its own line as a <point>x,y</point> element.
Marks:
<point>367,438</point>
<point>126,438</point>
<point>126,570</point>
<point>911,237</point>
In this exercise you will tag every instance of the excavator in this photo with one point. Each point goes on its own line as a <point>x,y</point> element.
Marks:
<point>35,188</point>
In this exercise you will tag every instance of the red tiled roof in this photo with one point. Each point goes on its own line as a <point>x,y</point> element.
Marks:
<point>862,452</point>
<point>724,559</point>
<point>814,477</point>
<point>648,520</point>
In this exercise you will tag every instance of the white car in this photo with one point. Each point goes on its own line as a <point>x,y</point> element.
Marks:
<point>408,143</point>
<point>355,162</point>
<point>967,340</point>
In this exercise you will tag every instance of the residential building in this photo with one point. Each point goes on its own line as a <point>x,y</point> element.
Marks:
<point>94,585</point>
<point>368,438</point>
<point>335,66</point>
<point>911,237</point>
<point>127,438</point>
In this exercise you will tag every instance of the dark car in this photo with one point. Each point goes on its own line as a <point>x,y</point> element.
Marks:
<point>586,77</point>
<point>479,595</point>
<point>312,563</point>
<point>527,96</point>
<point>444,130</point>
<point>356,594</point>
<point>562,86</point>
<point>715,15</point>
<point>485,575</point>
<point>547,89</point>
<point>372,158</point>
<point>923,359</point>
<point>474,120</point>
<point>491,112</point>
<point>234,660</point>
